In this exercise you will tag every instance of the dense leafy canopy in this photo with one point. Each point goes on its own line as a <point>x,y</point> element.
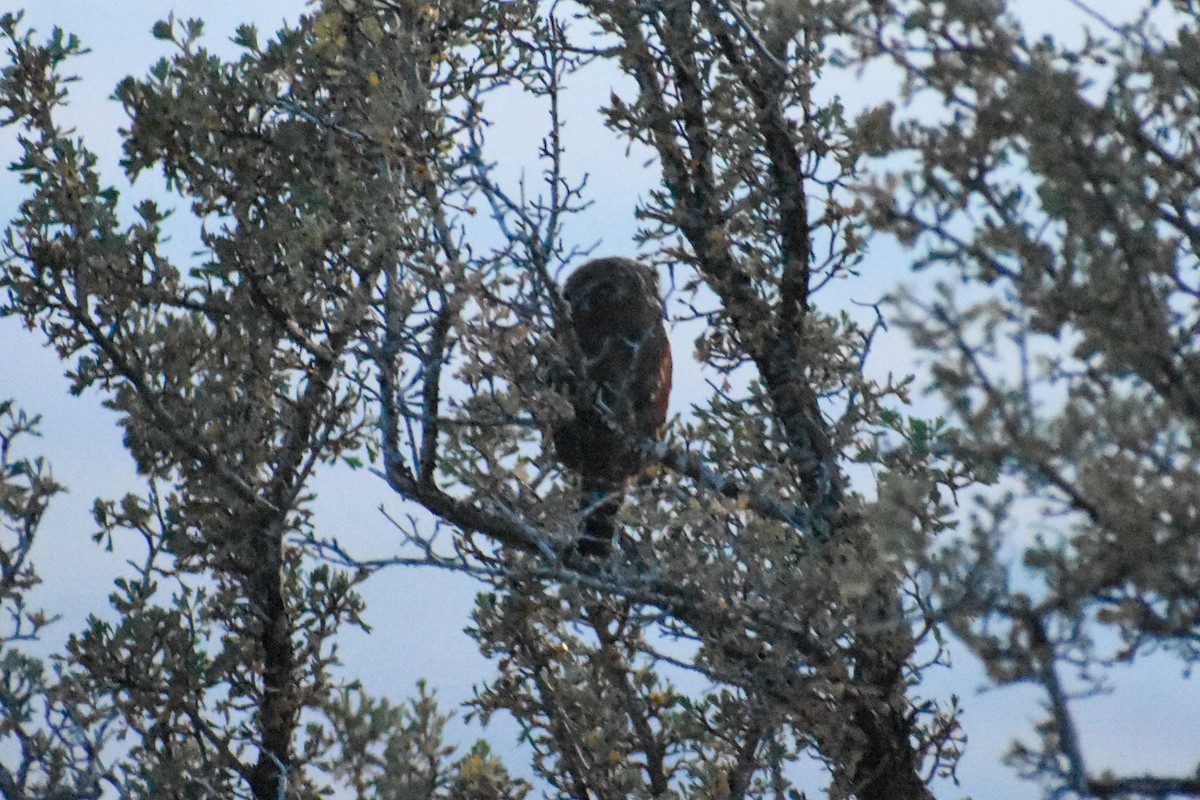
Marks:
<point>368,290</point>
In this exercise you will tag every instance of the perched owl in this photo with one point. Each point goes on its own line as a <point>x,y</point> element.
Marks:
<point>618,320</point>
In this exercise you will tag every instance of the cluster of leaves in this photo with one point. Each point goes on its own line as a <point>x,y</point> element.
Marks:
<point>334,171</point>
<point>349,303</point>
<point>1060,194</point>
<point>57,744</point>
<point>772,578</point>
<point>234,379</point>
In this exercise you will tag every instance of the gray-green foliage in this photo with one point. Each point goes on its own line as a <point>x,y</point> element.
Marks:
<point>234,379</point>
<point>1056,202</point>
<point>338,172</point>
<point>367,288</point>
<point>56,743</point>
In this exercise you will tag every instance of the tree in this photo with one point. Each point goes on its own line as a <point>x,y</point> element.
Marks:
<point>792,541</point>
<point>59,752</point>
<point>234,380</point>
<point>1062,192</point>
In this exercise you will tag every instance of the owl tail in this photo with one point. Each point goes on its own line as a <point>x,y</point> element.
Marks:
<point>600,505</point>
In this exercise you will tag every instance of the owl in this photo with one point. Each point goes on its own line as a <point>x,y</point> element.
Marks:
<point>617,316</point>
